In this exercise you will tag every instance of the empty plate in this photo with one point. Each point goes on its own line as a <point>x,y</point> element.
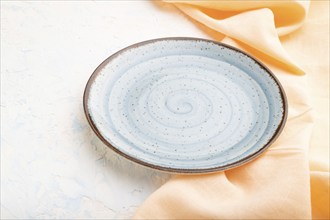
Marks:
<point>185,105</point>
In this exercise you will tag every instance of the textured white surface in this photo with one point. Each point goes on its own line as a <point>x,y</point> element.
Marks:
<point>52,164</point>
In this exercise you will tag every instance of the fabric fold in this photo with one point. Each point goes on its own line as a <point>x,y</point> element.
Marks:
<point>289,15</point>
<point>261,26</point>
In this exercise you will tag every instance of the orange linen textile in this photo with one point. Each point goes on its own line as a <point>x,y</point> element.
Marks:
<point>291,179</point>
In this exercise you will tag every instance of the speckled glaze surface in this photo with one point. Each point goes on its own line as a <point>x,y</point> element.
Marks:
<point>185,105</point>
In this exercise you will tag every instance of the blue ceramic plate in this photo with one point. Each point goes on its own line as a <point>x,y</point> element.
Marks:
<point>185,105</point>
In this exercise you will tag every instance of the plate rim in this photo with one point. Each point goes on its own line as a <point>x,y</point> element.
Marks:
<point>238,163</point>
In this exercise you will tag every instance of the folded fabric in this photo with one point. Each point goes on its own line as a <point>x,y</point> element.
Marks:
<point>256,23</point>
<point>280,184</point>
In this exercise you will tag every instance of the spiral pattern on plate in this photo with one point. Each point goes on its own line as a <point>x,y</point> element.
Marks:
<point>185,104</point>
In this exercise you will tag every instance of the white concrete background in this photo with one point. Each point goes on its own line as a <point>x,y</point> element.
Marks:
<point>52,164</point>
